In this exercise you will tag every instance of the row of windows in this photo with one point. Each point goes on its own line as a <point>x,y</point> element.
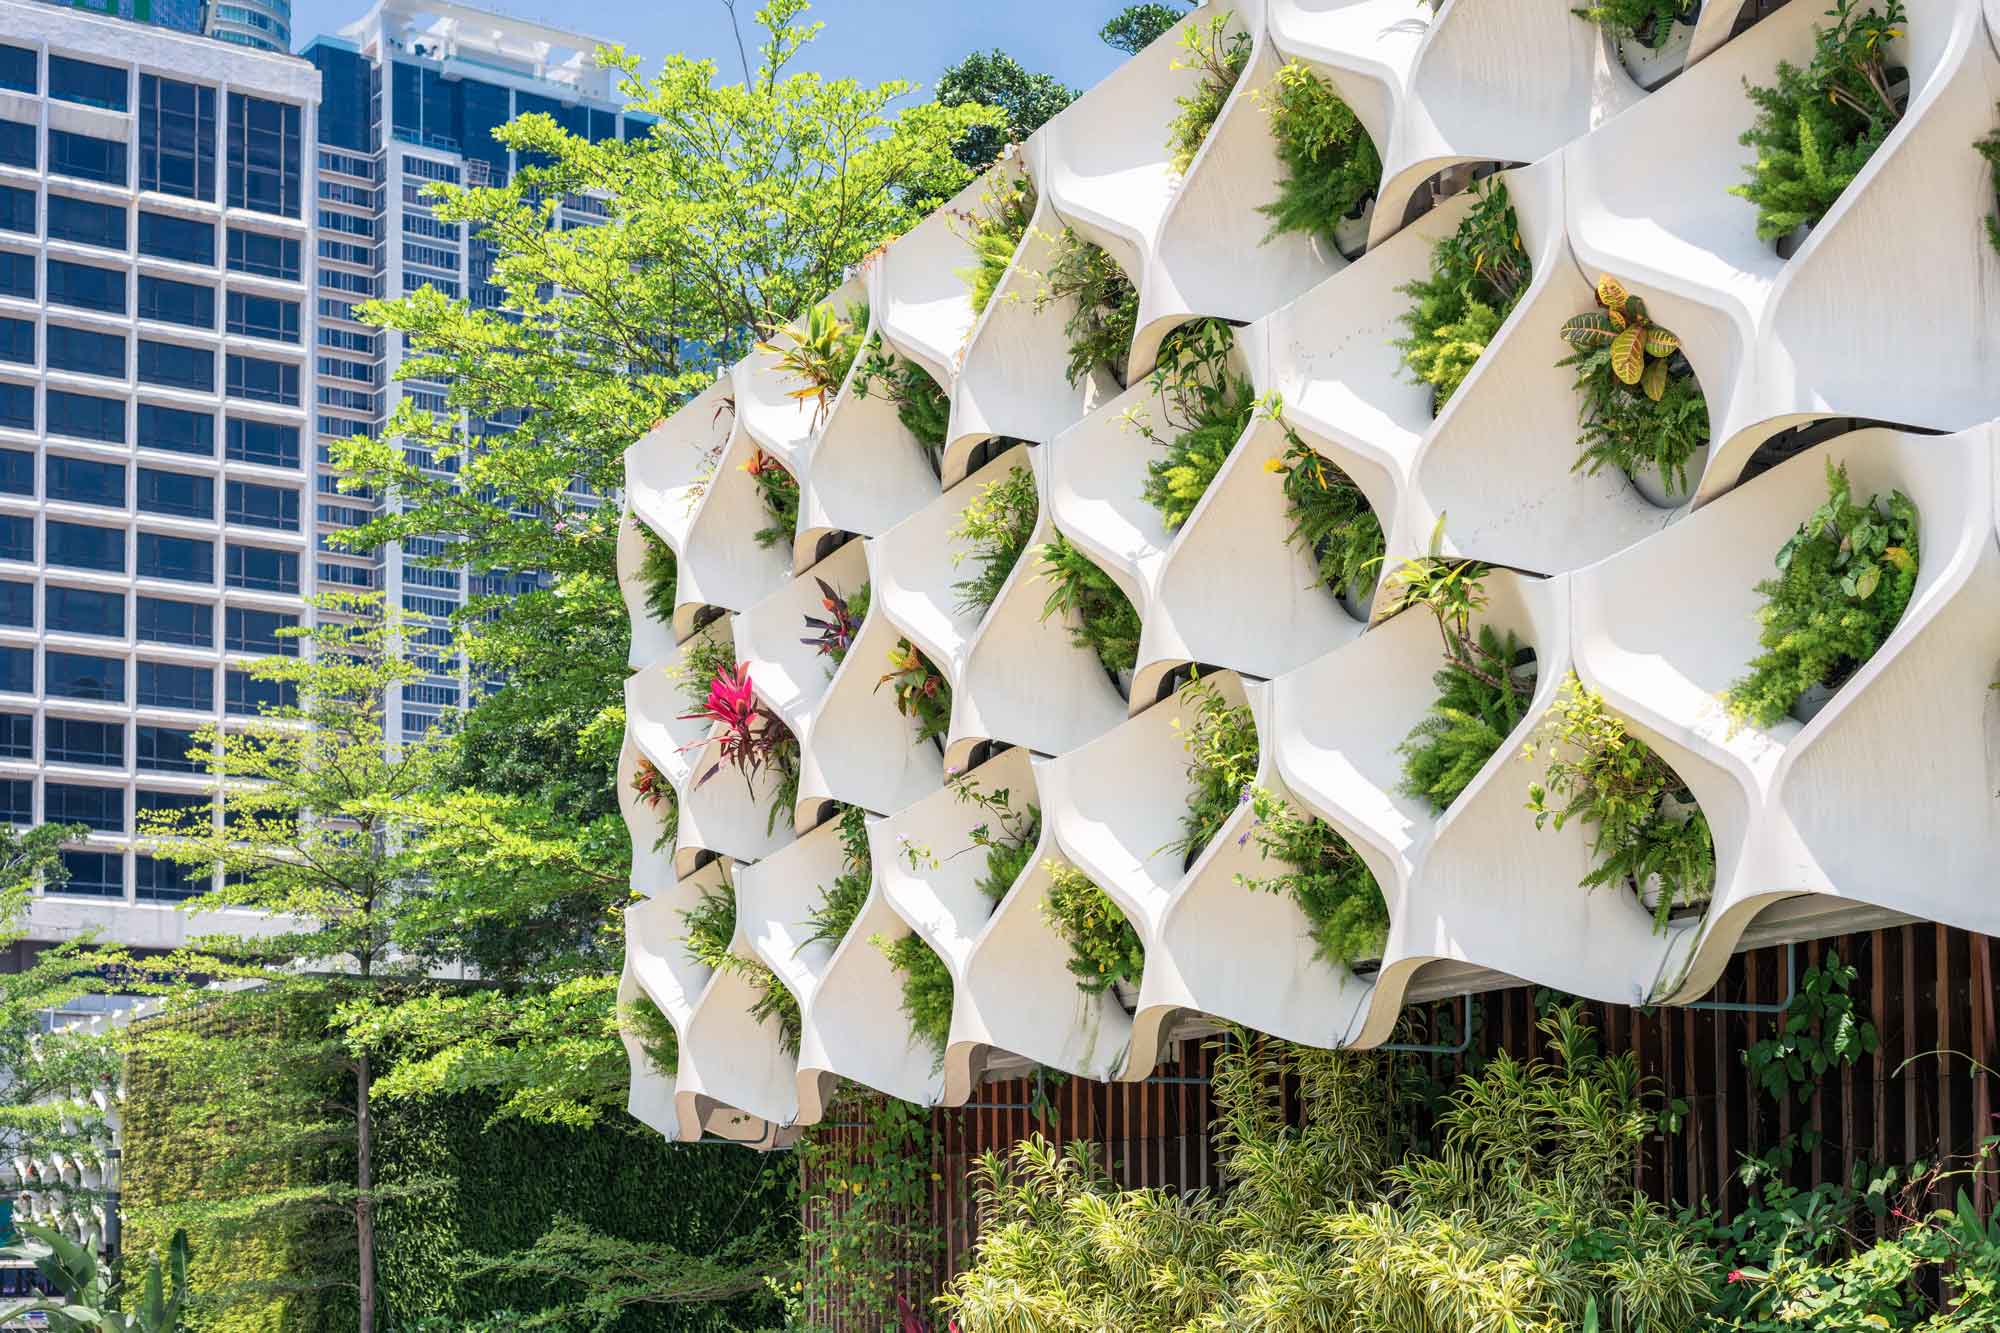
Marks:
<point>172,365</point>
<point>161,235</point>
<point>170,429</point>
<point>157,619</point>
<point>90,678</point>
<point>350,164</point>
<point>102,874</point>
<point>346,340</point>
<point>180,494</point>
<point>348,253</point>
<point>92,744</point>
<point>430,255</point>
<point>156,556</point>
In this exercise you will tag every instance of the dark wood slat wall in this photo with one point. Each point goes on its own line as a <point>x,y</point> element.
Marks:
<point>1927,1092</point>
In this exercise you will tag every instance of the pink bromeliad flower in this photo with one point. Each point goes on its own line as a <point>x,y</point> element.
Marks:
<point>751,732</point>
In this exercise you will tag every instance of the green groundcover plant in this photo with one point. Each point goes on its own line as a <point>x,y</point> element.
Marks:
<point>1220,739</point>
<point>1648,21</point>
<point>1329,164</point>
<point>922,407</point>
<point>1477,276</point>
<point>1640,406</point>
<point>1106,622</point>
<point>841,901</point>
<point>1330,517</point>
<point>1205,405</point>
<point>659,574</point>
<point>1988,148</point>
<point>1323,875</point>
<point>1818,126</point>
<point>994,529</point>
<point>1218,56</point>
<point>928,992</point>
<point>655,1033</point>
<point>922,693</point>
<point>779,491</point>
<point>1844,579</point>
<point>711,923</point>
<point>996,230</point>
<point>1105,311</point>
<point>1104,948</point>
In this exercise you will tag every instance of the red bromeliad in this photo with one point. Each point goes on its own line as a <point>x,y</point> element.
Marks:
<point>650,784</point>
<point>752,733</point>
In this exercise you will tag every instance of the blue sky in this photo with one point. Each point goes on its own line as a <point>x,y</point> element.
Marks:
<point>871,40</point>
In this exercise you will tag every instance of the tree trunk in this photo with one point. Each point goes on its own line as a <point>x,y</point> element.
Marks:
<point>364,1203</point>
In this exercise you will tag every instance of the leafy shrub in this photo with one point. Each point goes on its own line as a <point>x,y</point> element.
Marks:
<point>1332,886</point>
<point>1988,148</point>
<point>1008,852</point>
<point>1330,164</point>
<point>841,901</point>
<point>1646,20</point>
<point>834,634</point>
<point>1206,406</point>
<point>656,1035</point>
<point>818,357</point>
<point>1818,126</point>
<point>927,988</point>
<point>750,738</point>
<point>1844,579</point>
<point>711,923</point>
<point>922,693</point>
<point>1477,276</point>
<point>995,231</point>
<point>1136,27</point>
<point>1330,519</point>
<point>1221,744</point>
<point>922,407</point>
<point>656,792</point>
<point>1106,622</point>
<point>1104,949</point>
<point>659,571</point>
<point>1218,58</point>
<point>780,493</point>
<point>703,658</point>
<point>996,528</point>
<point>1483,687</point>
<point>1106,317</point>
<point>1644,819</point>
<point>1641,405</point>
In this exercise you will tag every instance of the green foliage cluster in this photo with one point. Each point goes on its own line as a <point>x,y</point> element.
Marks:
<point>1329,164</point>
<point>1332,886</point>
<point>702,657</point>
<point>1818,126</point>
<point>1988,148</point>
<point>995,529</point>
<point>1648,21</point>
<point>88,1295</point>
<point>659,572</point>
<point>1206,407</point>
<point>1477,276</point>
<point>1105,620</point>
<point>1218,56</point>
<point>1330,519</point>
<point>922,407</point>
<point>922,693</point>
<point>779,491</point>
<point>1526,1221</point>
<point>1104,948</point>
<point>1646,830</point>
<point>1136,27</point>
<point>1104,316</point>
<point>656,1034</point>
<point>1010,850</point>
<point>996,230</point>
<point>818,356</point>
<point>1844,579</point>
<point>1641,406</point>
<point>841,901</point>
<point>1221,744</point>
<point>997,80</point>
<point>927,988</point>
<point>711,923</point>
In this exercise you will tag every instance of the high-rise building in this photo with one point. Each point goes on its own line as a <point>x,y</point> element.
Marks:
<point>180,15</point>
<point>412,95</point>
<point>265,25</point>
<point>156,237</point>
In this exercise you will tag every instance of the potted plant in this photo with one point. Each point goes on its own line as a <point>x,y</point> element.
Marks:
<point>1106,622</point>
<point>1218,57</point>
<point>1642,410</point>
<point>995,231</point>
<point>1818,126</point>
<point>1477,276</point>
<point>1105,317</point>
<point>1647,832</point>
<point>922,693</point>
<point>655,1034</point>
<point>1652,36</point>
<point>1844,579</point>
<point>922,407</point>
<point>834,634</point>
<point>711,924</point>
<point>1324,877</point>
<point>1205,405</point>
<point>659,574</point>
<point>780,493</point>
<point>928,992</point>
<point>1330,169</point>
<point>841,901</point>
<point>751,739</point>
<point>818,357</point>
<point>1221,744</point>
<point>995,529</point>
<point>1331,521</point>
<point>1105,951</point>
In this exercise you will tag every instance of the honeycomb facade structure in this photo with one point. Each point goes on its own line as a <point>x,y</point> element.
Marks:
<point>1883,803</point>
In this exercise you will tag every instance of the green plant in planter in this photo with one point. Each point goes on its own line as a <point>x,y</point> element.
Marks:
<point>922,692</point>
<point>1844,579</point>
<point>1647,21</point>
<point>1104,948</point>
<point>834,634</point>
<point>1329,163</point>
<point>996,230</point>
<point>702,659</point>
<point>1323,874</point>
<point>1218,57</point>
<point>711,923</point>
<point>841,901</point>
<point>1988,149</point>
<point>1106,623</point>
<point>1477,276</point>
<point>657,794</point>
<point>1818,126</point>
<point>1641,405</point>
<point>1645,825</point>
<point>1106,316</point>
<point>780,493</point>
<point>659,571</point>
<point>1330,518</point>
<point>1206,406</point>
<point>1483,688</point>
<point>1221,744</point>
<point>1009,851</point>
<point>818,357</point>
<point>656,1034</point>
<point>996,528</point>
<point>927,988</point>
<point>922,407</point>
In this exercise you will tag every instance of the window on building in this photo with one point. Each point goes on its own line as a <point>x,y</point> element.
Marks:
<point>176,366</point>
<point>83,222</point>
<point>17,210</point>
<point>188,624</point>
<point>88,83</point>
<point>156,880</point>
<point>86,286</point>
<point>80,546</point>
<point>72,740</point>
<point>170,685</point>
<point>181,239</point>
<point>17,69</point>
<point>83,611</point>
<point>172,302</point>
<point>166,750</point>
<point>264,155</point>
<point>92,875</point>
<point>17,275</point>
<point>145,802</point>
<point>17,472</point>
<point>83,676</point>
<point>17,735</point>
<point>17,604</point>
<point>346,80</point>
<point>262,381</point>
<point>261,569</point>
<point>176,431</point>
<point>268,256</point>
<point>244,695</point>
<point>262,506</point>
<point>85,481</point>
<point>17,144</point>
<point>263,442</point>
<point>17,800</point>
<point>17,537</point>
<point>176,137</point>
<point>176,493</point>
<point>263,317</point>
<point>180,559</point>
<point>248,631</point>
<point>17,406</point>
<point>86,416</point>
<point>84,352</point>
<point>17,341</point>
<point>87,157</point>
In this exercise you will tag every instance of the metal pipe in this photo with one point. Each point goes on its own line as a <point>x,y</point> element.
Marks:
<point>1791,993</point>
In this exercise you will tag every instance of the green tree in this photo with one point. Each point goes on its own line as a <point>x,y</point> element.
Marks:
<point>1135,27</point>
<point>996,79</point>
